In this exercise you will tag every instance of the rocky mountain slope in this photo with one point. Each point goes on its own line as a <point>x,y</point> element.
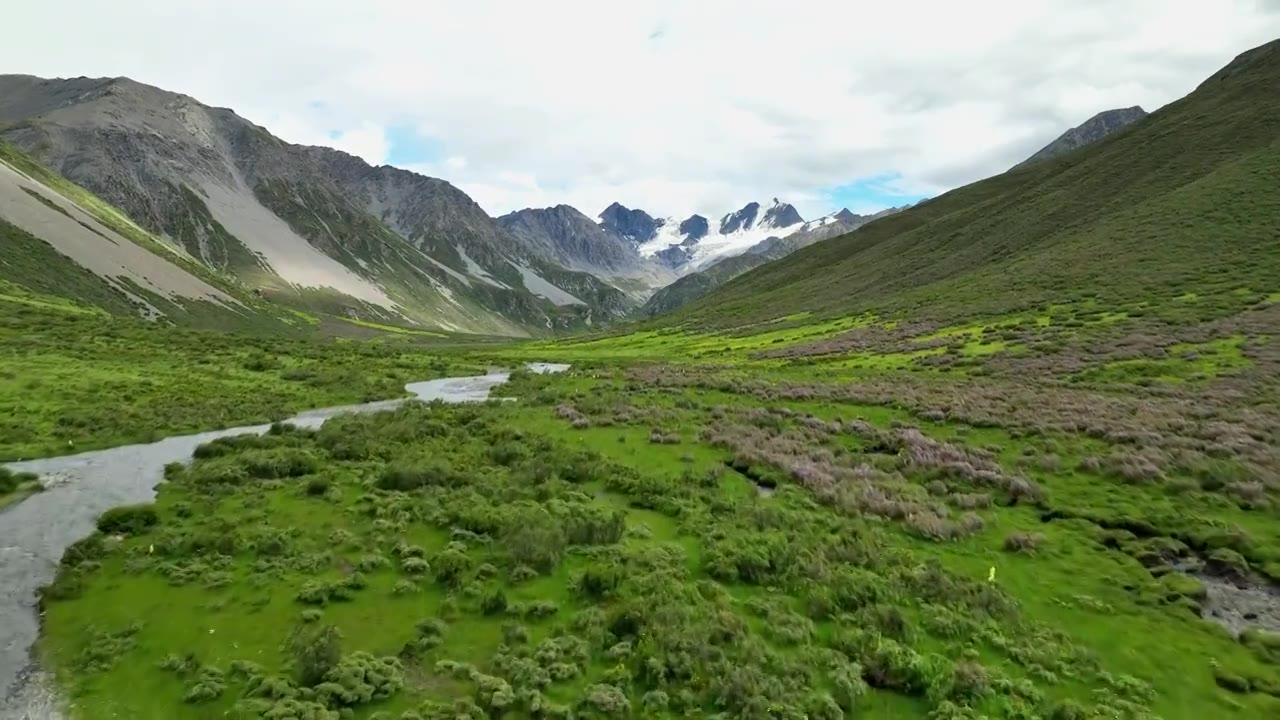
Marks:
<point>564,235</point>
<point>1090,131</point>
<point>633,226</point>
<point>312,227</point>
<point>63,247</point>
<point>696,284</point>
<point>1180,202</point>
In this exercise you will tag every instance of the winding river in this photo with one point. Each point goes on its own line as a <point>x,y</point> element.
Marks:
<point>78,488</point>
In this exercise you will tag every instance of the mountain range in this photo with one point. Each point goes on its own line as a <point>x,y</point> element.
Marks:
<point>306,226</point>
<point>218,210</point>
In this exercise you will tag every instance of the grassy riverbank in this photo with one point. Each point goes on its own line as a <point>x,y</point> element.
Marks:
<point>16,487</point>
<point>73,379</point>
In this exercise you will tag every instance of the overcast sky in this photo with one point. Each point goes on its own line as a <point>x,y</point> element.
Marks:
<point>674,107</point>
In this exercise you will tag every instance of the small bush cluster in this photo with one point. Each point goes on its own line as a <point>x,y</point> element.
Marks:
<point>661,437</point>
<point>10,481</point>
<point>323,592</point>
<point>128,520</point>
<point>1023,542</point>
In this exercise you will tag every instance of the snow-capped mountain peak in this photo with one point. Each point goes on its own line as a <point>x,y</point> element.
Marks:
<point>694,243</point>
<point>843,215</point>
<point>634,226</point>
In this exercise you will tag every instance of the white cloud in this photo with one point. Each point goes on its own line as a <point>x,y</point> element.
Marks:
<point>671,106</point>
<point>366,141</point>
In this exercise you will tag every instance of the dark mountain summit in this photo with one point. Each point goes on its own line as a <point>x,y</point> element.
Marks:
<point>781,215</point>
<point>694,228</point>
<point>740,220</point>
<point>572,239</point>
<point>635,226</point>
<point>1091,131</point>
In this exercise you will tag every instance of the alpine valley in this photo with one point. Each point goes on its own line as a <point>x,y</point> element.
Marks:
<point>286,436</point>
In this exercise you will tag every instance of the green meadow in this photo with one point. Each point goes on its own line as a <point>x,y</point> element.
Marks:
<point>809,518</point>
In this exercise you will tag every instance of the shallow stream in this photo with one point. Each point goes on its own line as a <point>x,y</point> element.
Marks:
<point>78,488</point>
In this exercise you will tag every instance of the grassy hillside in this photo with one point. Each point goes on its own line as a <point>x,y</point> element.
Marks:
<point>1179,202</point>
<point>697,284</point>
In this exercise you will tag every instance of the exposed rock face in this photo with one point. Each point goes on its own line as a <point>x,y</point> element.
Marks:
<point>289,218</point>
<point>694,229</point>
<point>1091,131</point>
<point>675,256</point>
<point>781,215</point>
<point>828,226</point>
<point>563,235</point>
<point>753,215</point>
<point>634,226</point>
<point>740,220</point>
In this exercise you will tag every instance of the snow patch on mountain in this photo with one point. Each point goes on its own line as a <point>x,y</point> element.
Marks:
<point>288,254</point>
<point>822,221</point>
<point>477,272</point>
<point>541,287</point>
<point>82,237</point>
<point>748,226</point>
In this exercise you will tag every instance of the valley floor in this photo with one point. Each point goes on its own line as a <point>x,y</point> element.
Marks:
<point>73,379</point>
<point>1029,516</point>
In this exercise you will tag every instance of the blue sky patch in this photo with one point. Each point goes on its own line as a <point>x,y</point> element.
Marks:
<point>407,146</point>
<point>870,194</point>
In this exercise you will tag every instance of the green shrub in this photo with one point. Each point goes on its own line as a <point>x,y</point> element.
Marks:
<point>279,463</point>
<point>411,476</point>
<point>84,550</point>
<point>321,592</point>
<point>69,584</point>
<point>604,701</point>
<point>208,686</point>
<point>314,651</point>
<point>596,582</point>
<point>1228,680</point>
<point>404,587</point>
<point>533,538</point>
<point>1068,710</point>
<point>450,566</point>
<point>360,679</point>
<point>522,573</point>
<point>414,566</point>
<point>493,602</point>
<point>128,520</point>
<point>1265,645</point>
